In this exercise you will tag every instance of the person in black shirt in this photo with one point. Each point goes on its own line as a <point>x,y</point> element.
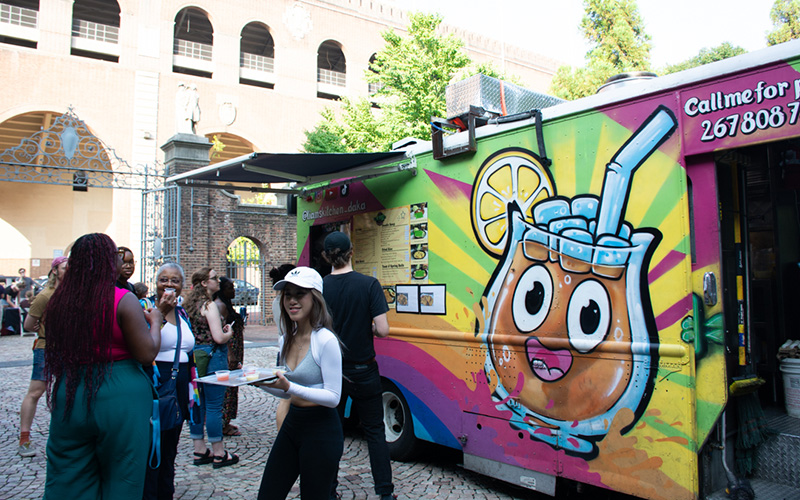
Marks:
<point>359,312</point>
<point>128,267</point>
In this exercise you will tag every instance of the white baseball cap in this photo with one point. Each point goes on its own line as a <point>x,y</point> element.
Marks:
<point>304,277</point>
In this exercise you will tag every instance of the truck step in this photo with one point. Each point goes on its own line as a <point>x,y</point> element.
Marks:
<point>776,460</point>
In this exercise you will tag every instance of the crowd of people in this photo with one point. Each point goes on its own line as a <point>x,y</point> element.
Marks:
<point>111,351</point>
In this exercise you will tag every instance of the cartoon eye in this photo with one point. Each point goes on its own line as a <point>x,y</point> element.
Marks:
<point>588,315</point>
<point>532,298</point>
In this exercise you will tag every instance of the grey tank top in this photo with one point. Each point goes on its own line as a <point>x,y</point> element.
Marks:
<point>307,373</point>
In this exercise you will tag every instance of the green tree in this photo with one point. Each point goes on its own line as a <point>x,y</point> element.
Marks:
<point>412,72</point>
<point>705,56</point>
<point>619,44</point>
<point>785,16</point>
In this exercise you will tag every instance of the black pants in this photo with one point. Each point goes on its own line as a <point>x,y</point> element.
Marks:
<point>362,383</point>
<point>310,445</point>
<point>159,484</point>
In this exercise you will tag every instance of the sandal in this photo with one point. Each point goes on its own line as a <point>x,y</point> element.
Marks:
<point>203,458</point>
<point>231,430</point>
<point>227,459</point>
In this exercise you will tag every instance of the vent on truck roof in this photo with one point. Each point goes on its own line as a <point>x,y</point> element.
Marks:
<point>496,97</point>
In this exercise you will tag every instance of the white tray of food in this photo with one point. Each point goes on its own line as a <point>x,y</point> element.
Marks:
<point>246,375</point>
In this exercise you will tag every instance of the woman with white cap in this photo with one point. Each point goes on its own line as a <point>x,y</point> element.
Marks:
<point>310,441</point>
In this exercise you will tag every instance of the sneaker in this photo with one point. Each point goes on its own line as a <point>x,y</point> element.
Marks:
<point>27,450</point>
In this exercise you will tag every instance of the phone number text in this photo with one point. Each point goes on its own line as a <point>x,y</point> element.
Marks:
<point>750,121</point>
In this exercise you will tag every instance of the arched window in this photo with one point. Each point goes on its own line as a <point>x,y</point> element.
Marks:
<point>193,43</point>
<point>331,70</point>
<point>95,30</point>
<point>257,56</point>
<point>374,87</point>
<point>19,22</point>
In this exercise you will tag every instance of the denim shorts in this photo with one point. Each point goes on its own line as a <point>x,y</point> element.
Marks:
<point>38,365</point>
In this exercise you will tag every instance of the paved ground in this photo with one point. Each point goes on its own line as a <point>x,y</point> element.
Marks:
<point>436,476</point>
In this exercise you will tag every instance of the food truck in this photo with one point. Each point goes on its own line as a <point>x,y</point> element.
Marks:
<point>577,292</point>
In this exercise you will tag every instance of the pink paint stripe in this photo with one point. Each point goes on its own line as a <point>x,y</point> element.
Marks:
<point>675,313</point>
<point>450,186</point>
<point>672,259</point>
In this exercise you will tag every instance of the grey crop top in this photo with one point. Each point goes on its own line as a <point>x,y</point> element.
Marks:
<point>318,377</point>
<point>306,373</point>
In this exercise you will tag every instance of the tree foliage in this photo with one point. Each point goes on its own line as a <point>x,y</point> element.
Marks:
<point>619,44</point>
<point>785,16</point>
<point>705,56</point>
<point>411,73</point>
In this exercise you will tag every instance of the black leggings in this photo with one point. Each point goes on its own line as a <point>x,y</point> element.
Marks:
<point>309,444</point>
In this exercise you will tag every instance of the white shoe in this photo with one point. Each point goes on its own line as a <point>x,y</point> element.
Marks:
<point>27,450</point>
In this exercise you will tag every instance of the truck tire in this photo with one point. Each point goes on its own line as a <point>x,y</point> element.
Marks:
<point>398,424</point>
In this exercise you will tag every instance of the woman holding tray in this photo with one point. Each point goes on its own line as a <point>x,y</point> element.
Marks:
<point>160,483</point>
<point>211,339</point>
<point>310,441</point>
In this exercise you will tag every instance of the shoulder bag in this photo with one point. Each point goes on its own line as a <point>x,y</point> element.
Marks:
<point>169,409</point>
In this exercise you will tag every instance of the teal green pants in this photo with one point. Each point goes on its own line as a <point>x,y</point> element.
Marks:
<point>101,454</point>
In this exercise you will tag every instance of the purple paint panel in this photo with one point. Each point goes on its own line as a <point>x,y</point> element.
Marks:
<point>750,108</point>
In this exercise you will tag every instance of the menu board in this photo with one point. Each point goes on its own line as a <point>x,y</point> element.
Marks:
<point>392,244</point>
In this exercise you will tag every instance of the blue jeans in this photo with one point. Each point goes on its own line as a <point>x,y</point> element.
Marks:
<point>211,396</point>
<point>365,389</point>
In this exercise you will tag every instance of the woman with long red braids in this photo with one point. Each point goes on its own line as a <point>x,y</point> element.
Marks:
<point>98,394</point>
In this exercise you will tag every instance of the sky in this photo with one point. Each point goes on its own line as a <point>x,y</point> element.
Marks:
<point>679,29</point>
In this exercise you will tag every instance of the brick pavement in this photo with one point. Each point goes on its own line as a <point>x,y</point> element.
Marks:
<point>437,476</point>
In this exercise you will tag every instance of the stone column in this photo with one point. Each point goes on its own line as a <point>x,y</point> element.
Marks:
<point>182,153</point>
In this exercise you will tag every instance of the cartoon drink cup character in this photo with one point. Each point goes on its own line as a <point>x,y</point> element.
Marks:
<point>567,320</point>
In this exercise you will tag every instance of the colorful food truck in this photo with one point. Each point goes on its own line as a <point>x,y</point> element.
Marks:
<point>574,291</point>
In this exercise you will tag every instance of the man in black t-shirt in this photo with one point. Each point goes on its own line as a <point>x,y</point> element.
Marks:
<point>359,314</point>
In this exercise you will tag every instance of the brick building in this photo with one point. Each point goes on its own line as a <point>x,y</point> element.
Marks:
<point>261,73</point>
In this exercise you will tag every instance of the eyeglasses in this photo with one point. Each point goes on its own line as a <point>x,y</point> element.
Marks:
<point>215,278</point>
<point>170,281</point>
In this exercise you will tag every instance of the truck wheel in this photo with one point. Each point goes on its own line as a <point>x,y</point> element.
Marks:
<point>398,424</point>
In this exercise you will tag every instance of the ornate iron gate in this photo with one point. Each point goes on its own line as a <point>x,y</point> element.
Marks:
<point>161,229</point>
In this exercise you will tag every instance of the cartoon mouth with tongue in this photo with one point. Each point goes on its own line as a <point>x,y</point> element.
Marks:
<point>547,364</point>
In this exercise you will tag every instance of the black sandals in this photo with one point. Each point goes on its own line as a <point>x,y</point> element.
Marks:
<point>203,458</point>
<point>225,460</point>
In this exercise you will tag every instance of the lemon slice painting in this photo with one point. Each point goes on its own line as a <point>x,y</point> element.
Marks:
<point>510,175</point>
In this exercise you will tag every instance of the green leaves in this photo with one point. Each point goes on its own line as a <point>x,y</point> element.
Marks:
<point>620,44</point>
<point>785,16</point>
<point>705,56</point>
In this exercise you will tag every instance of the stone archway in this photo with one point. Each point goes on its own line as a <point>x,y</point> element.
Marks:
<point>245,266</point>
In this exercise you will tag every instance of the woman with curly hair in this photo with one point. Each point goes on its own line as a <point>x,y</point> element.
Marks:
<point>210,340</point>
<point>100,399</point>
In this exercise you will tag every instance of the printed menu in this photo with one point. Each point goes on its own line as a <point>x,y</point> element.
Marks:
<point>392,244</point>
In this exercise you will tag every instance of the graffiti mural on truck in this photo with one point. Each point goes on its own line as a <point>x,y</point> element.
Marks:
<point>567,320</point>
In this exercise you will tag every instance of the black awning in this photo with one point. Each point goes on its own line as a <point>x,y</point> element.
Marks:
<point>301,168</point>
